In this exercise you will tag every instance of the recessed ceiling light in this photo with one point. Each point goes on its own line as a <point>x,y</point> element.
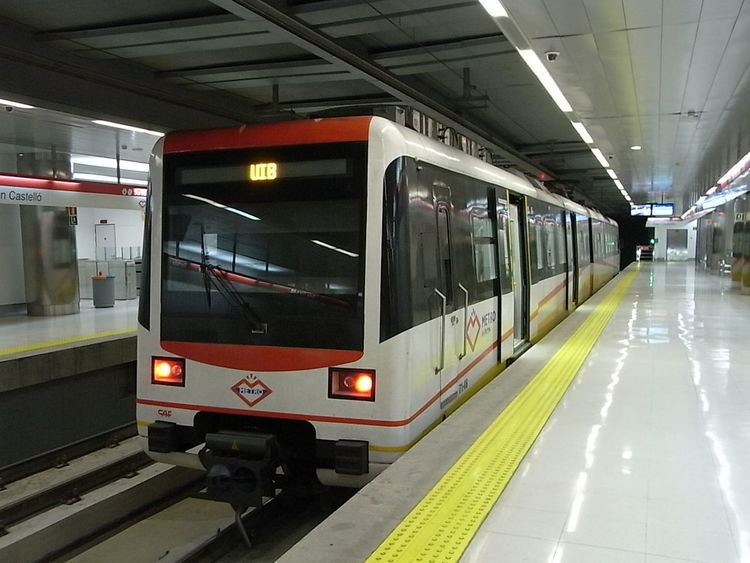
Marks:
<point>636,147</point>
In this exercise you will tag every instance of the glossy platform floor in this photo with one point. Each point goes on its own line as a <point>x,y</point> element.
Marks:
<point>647,457</point>
<point>21,335</point>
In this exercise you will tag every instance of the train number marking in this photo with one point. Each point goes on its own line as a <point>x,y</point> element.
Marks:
<point>164,413</point>
<point>251,390</point>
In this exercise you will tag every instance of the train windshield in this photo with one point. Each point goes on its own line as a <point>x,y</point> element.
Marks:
<point>265,246</point>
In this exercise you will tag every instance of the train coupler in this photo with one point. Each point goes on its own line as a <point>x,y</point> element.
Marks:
<point>241,468</point>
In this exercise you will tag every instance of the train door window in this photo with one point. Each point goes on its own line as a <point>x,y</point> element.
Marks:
<point>560,237</point>
<point>539,244</point>
<point>503,248</point>
<point>483,242</point>
<point>444,249</point>
<point>549,231</point>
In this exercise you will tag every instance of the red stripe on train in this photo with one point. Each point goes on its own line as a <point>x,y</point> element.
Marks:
<point>260,358</point>
<point>302,132</point>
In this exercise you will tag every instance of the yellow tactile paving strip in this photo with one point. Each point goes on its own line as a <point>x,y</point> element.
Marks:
<point>441,526</point>
<point>64,342</point>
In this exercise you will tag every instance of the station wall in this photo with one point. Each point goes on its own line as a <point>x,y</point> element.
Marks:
<point>128,229</point>
<point>663,252</point>
<point>12,289</point>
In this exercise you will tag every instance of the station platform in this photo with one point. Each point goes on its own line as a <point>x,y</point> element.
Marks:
<point>66,378</point>
<point>22,335</point>
<point>639,454</point>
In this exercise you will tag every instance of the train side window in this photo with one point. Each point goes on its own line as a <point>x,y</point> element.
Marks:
<point>483,242</point>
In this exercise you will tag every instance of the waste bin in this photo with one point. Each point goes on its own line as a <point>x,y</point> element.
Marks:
<point>103,290</point>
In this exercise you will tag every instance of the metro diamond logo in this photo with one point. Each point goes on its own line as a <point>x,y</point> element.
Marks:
<point>251,390</point>
<point>472,329</point>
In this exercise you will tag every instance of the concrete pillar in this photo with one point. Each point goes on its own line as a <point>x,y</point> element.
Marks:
<point>50,262</point>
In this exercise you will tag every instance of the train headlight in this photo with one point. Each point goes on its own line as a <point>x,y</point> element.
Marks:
<point>358,384</point>
<point>168,371</point>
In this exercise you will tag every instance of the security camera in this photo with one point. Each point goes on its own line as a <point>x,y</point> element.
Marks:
<point>610,156</point>
<point>9,108</point>
<point>552,55</point>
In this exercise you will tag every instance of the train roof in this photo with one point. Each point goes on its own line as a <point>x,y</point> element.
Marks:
<point>342,129</point>
<point>429,150</point>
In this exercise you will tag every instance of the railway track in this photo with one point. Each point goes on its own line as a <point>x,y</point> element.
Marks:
<point>114,504</point>
<point>62,505</point>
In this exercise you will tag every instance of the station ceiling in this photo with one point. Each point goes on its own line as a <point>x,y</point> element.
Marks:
<point>670,75</point>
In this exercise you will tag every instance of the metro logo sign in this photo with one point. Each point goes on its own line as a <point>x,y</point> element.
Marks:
<point>473,326</point>
<point>251,390</point>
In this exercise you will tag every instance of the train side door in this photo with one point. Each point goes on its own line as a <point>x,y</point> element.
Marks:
<point>451,315</point>
<point>572,250</point>
<point>520,260</point>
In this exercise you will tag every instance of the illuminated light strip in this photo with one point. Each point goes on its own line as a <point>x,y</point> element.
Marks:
<point>109,179</point>
<point>600,157</point>
<point>443,523</point>
<point>612,174</point>
<point>494,8</point>
<point>104,162</point>
<point>587,138</point>
<point>13,104</point>
<point>336,248</point>
<point>541,72</point>
<point>127,127</point>
<point>64,341</point>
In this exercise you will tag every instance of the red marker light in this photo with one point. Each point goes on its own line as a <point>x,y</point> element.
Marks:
<point>168,371</point>
<point>358,384</point>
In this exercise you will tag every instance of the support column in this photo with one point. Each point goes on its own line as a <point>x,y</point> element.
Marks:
<point>49,244</point>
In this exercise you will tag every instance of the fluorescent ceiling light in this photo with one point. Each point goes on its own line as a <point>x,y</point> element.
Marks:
<point>104,162</point>
<point>600,157</point>
<point>13,104</point>
<point>582,132</point>
<point>636,147</point>
<point>541,72</point>
<point>494,8</point>
<point>735,170</point>
<point>222,206</point>
<point>619,185</point>
<point>611,173</point>
<point>108,179</point>
<point>128,127</point>
<point>336,248</point>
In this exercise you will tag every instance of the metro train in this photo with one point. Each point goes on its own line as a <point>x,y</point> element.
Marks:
<point>319,294</point>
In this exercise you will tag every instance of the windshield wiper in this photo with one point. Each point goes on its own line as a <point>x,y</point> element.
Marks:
<point>214,275</point>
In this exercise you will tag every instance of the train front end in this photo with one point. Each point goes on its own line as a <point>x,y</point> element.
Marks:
<point>253,361</point>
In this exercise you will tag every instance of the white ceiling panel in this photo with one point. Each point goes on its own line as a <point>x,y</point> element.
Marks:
<point>677,49</point>
<point>681,11</point>
<point>711,41</point>
<point>645,53</point>
<point>642,13</point>
<point>604,16</point>
<point>569,16</point>
<point>721,8</point>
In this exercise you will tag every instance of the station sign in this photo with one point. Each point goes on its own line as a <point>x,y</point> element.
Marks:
<point>24,190</point>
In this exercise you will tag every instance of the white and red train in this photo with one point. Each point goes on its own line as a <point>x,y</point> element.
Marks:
<point>318,294</point>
